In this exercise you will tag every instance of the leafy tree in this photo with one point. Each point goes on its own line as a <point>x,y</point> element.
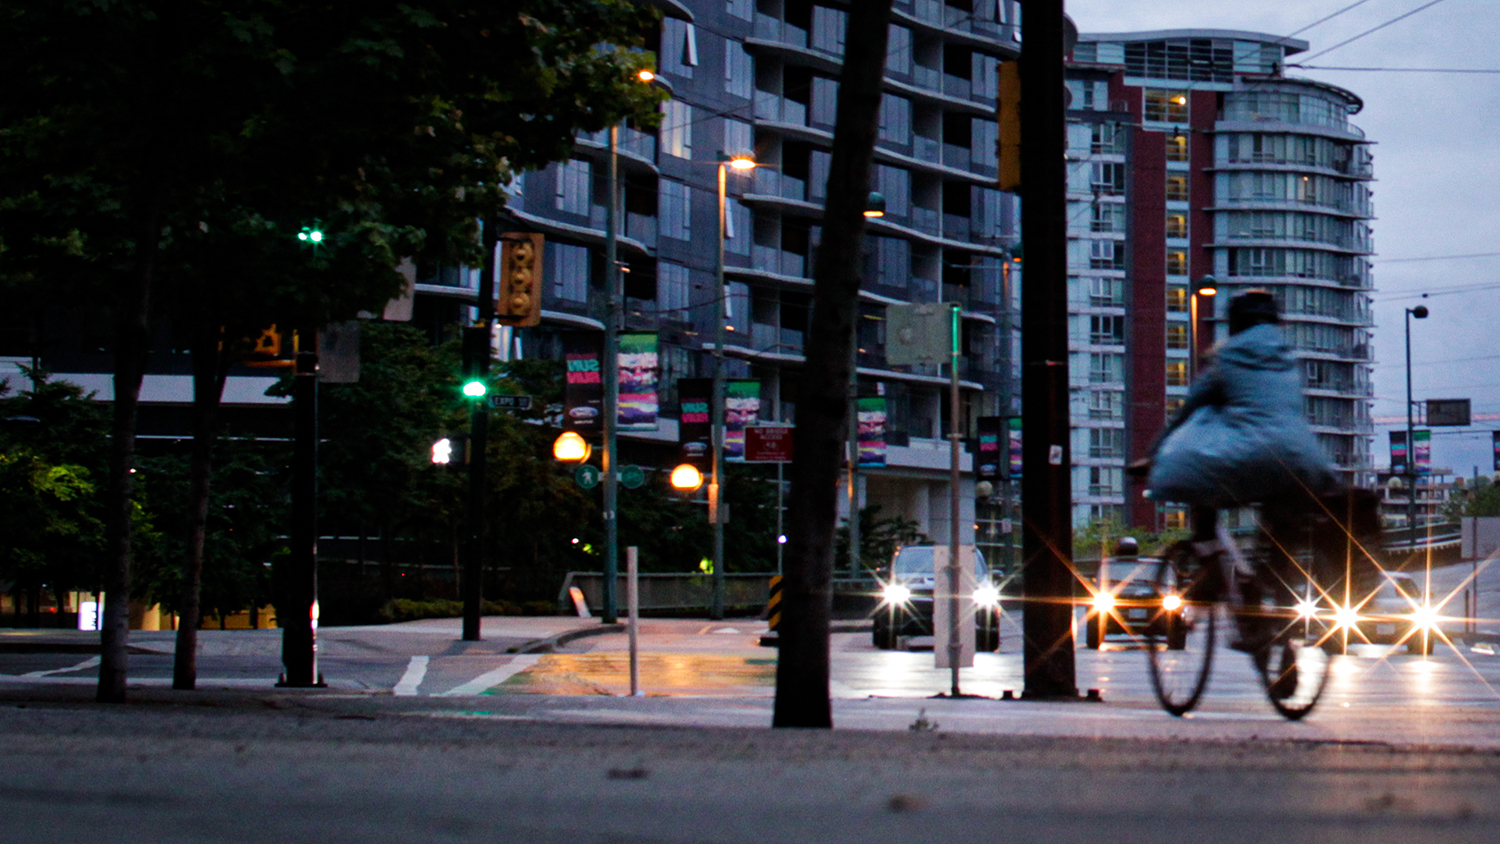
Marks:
<point>148,144</point>
<point>879,537</point>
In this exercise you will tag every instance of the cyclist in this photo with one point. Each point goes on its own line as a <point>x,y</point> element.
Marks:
<point>1242,436</point>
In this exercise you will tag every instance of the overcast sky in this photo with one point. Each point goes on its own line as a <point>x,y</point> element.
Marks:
<point>1437,188</point>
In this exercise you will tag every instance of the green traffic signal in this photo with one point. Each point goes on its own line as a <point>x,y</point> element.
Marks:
<point>311,234</point>
<point>475,388</point>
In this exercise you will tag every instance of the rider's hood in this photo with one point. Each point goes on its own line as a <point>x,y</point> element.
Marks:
<point>1261,347</point>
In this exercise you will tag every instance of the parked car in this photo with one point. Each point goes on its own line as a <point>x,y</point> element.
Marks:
<point>1397,612</point>
<point>906,599</point>
<point>1124,600</point>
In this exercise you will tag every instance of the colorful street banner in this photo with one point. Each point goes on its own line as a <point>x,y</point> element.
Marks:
<point>741,409</point>
<point>694,398</point>
<point>1421,451</point>
<point>1398,453</point>
<point>583,394</point>
<point>1014,436</point>
<point>870,413</point>
<point>1495,442</point>
<point>639,371</point>
<point>988,462</point>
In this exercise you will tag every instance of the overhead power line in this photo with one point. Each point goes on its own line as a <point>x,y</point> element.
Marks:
<point>1372,29</point>
<point>1480,70</point>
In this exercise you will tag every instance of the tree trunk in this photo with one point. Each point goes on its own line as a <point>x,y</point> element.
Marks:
<point>132,343</point>
<point>210,365</point>
<point>822,396</point>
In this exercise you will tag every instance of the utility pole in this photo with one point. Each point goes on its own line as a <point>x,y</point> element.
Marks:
<point>477,361</point>
<point>609,461</point>
<point>1046,483</point>
<point>298,605</point>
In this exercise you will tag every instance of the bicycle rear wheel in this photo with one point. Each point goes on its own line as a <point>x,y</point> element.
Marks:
<point>1180,643</point>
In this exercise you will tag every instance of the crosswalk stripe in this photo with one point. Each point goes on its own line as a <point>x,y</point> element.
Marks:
<point>494,677</point>
<point>415,671</point>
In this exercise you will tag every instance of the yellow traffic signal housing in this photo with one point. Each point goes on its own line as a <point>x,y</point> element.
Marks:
<point>269,349</point>
<point>520,296</point>
<point>1008,107</point>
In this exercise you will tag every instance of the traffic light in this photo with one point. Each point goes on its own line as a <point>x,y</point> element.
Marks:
<point>442,451</point>
<point>476,357</point>
<point>312,235</point>
<point>1008,107</point>
<point>520,296</point>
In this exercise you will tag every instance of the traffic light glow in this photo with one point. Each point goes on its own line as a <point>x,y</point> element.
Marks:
<point>475,389</point>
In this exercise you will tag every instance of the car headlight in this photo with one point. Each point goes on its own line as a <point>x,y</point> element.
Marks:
<point>1104,601</point>
<point>1424,617</point>
<point>1171,603</point>
<point>1307,609</point>
<point>987,596</point>
<point>1346,617</point>
<point>895,593</point>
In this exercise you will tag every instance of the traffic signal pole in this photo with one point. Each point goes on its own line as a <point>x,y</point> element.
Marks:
<point>297,603</point>
<point>1046,483</point>
<point>476,346</point>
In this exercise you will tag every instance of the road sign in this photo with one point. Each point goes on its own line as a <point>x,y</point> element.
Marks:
<point>511,402</point>
<point>631,477</point>
<point>1447,412</point>
<point>587,476</point>
<point>768,444</point>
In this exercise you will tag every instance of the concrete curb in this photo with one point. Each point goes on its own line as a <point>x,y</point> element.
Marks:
<point>552,643</point>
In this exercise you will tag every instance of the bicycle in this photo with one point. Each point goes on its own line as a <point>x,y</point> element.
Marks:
<point>1255,589</point>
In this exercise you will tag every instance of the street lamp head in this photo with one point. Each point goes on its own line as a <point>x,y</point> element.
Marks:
<point>646,75</point>
<point>875,205</point>
<point>741,163</point>
<point>1208,286</point>
<point>1420,311</point>
<point>569,447</point>
<point>686,477</point>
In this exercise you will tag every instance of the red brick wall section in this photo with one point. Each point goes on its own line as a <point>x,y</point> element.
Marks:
<point>1203,112</point>
<point>1147,303</point>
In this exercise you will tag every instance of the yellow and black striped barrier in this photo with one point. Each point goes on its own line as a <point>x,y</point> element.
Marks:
<point>773,612</point>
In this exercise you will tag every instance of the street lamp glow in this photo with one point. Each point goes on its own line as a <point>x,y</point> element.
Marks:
<point>741,163</point>
<point>569,447</point>
<point>645,75</point>
<point>686,477</point>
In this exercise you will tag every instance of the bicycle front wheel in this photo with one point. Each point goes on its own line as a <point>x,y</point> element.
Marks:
<point>1180,641</point>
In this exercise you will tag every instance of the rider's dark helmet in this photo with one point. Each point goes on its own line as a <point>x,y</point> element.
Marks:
<point>1252,308</point>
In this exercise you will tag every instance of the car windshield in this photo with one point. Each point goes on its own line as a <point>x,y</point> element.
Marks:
<point>1119,571</point>
<point>914,561</point>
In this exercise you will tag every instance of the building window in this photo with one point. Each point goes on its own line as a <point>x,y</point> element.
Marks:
<point>1177,148</point>
<point>672,290</point>
<point>573,194</point>
<point>679,48</point>
<point>1106,255</point>
<point>1176,262</point>
<point>737,228</point>
<point>1106,404</point>
<point>1106,139</point>
<point>1174,518</point>
<point>895,119</point>
<point>1108,217</point>
<point>828,29</point>
<point>738,138</point>
<point>1174,404</point>
<point>677,129</point>
<point>1107,292</point>
<point>676,210</point>
<point>742,9</point>
<point>1177,373</point>
<point>1106,480</point>
<point>1177,336</point>
<point>1177,299</point>
<point>566,268</point>
<point>1106,443</point>
<point>1106,368</point>
<point>739,71</point>
<point>1108,178</point>
<point>1177,186</point>
<point>898,50</point>
<point>1177,225</point>
<point>1166,106</point>
<point>1106,329</point>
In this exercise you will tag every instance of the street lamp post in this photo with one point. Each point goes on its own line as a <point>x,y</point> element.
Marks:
<point>1420,312</point>
<point>1201,295</point>
<point>716,479</point>
<point>611,367</point>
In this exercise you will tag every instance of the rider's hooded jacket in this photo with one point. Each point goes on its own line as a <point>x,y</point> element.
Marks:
<point>1242,437</point>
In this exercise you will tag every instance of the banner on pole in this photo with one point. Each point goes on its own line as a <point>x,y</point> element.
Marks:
<point>1421,451</point>
<point>741,410</point>
<point>638,367</point>
<point>1013,435</point>
<point>870,415</point>
<point>694,399</point>
<point>583,393</point>
<point>991,461</point>
<point>1399,455</point>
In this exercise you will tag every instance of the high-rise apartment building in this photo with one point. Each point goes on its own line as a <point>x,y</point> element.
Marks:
<point>760,78</point>
<point>1194,158</point>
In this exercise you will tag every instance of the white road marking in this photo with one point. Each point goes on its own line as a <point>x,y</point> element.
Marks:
<point>415,671</point>
<point>88,663</point>
<point>493,677</point>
